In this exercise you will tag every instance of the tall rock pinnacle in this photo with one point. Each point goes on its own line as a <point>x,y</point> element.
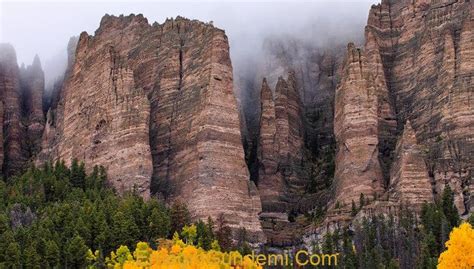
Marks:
<point>358,169</point>
<point>410,182</point>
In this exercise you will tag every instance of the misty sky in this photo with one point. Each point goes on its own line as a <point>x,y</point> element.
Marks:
<point>44,28</point>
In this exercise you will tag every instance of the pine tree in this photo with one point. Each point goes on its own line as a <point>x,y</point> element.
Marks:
<point>349,257</point>
<point>124,229</point>
<point>61,172</point>
<point>159,223</point>
<point>6,238</point>
<point>179,217</point>
<point>13,256</point>
<point>4,223</point>
<point>52,255</point>
<point>76,253</point>
<point>428,253</point>
<point>354,209</point>
<point>204,235</point>
<point>78,175</point>
<point>92,179</point>
<point>449,209</point>
<point>100,231</point>
<point>471,220</point>
<point>31,258</point>
<point>361,200</point>
<point>223,234</point>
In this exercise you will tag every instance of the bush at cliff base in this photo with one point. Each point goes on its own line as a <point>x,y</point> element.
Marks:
<point>460,249</point>
<point>176,255</point>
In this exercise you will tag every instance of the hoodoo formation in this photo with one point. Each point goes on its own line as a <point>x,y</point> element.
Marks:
<point>390,122</point>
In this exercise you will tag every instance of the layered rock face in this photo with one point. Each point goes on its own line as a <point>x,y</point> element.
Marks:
<point>356,125</point>
<point>21,111</point>
<point>315,68</point>
<point>409,180</point>
<point>422,53</point>
<point>280,148</point>
<point>32,90</point>
<point>154,105</point>
<point>12,132</point>
<point>290,186</point>
<point>427,54</point>
<point>282,178</point>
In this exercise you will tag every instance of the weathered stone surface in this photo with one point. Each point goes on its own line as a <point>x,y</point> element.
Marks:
<point>270,181</point>
<point>13,133</point>
<point>156,102</point>
<point>356,127</point>
<point>420,60</point>
<point>281,143</point>
<point>315,67</point>
<point>32,91</point>
<point>409,180</point>
<point>282,177</point>
<point>427,54</point>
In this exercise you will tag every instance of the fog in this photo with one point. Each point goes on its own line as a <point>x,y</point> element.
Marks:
<point>44,28</point>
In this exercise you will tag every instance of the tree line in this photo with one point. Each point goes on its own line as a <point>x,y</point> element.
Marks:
<point>50,217</point>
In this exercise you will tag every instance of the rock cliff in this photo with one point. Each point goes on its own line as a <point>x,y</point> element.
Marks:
<point>154,105</point>
<point>356,124</point>
<point>281,178</point>
<point>12,132</point>
<point>427,54</point>
<point>422,53</point>
<point>409,180</point>
<point>21,111</point>
<point>32,92</point>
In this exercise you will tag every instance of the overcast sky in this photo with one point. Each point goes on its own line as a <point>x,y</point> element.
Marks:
<point>44,27</point>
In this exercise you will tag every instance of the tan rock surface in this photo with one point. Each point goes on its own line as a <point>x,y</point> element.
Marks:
<point>154,105</point>
<point>13,132</point>
<point>427,53</point>
<point>409,180</point>
<point>356,125</point>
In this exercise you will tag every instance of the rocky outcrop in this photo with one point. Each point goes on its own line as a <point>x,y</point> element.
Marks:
<point>22,91</point>
<point>270,183</point>
<point>419,61</point>
<point>315,67</point>
<point>13,133</point>
<point>282,177</point>
<point>32,92</point>
<point>280,145</point>
<point>427,55</point>
<point>154,105</point>
<point>356,125</point>
<point>409,180</point>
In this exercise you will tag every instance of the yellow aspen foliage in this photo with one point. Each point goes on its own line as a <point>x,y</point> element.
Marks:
<point>177,255</point>
<point>460,249</point>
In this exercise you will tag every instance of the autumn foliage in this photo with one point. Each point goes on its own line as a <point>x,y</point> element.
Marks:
<point>173,254</point>
<point>460,249</point>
